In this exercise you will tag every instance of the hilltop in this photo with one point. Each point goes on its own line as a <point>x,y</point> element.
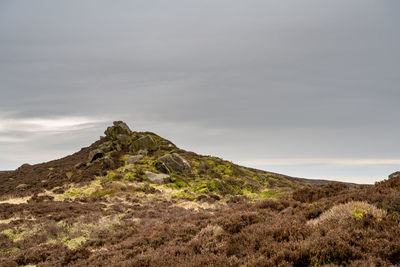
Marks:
<point>136,199</point>
<point>124,157</point>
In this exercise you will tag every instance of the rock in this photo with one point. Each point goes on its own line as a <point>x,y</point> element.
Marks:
<point>157,178</point>
<point>160,166</point>
<point>119,127</point>
<point>124,140</point>
<point>106,146</point>
<point>108,163</point>
<point>146,143</point>
<point>134,159</point>
<point>165,144</point>
<point>175,162</point>
<point>95,154</point>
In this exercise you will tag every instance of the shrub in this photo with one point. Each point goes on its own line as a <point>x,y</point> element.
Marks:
<point>351,210</point>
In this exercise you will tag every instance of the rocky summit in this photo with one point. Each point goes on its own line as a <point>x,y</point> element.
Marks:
<point>135,199</point>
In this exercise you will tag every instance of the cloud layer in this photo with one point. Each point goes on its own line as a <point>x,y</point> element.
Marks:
<point>241,80</point>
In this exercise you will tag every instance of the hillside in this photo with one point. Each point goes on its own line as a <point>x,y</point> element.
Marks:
<point>135,199</point>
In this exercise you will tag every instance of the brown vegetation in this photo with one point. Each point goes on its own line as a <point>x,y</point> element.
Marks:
<point>218,214</point>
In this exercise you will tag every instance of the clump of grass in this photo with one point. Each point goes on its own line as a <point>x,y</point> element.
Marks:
<point>17,234</point>
<point>178,182</point>
<point>183,195</point>
<point>339,214</point>
<point>83,191</point>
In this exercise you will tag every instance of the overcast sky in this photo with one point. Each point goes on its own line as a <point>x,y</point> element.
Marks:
<point>305,88</point>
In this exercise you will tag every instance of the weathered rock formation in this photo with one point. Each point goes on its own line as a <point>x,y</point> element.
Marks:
<point>175,162</point>
<point>157,178</point>
<point>144,143</point>
<point>134,159</point>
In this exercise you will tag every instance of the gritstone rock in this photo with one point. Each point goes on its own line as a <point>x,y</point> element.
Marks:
<point>175,162</point>
<point>119,127</point>
<point>160,166</point>
<point>157,178</point>
<point>106,146</point>
<point>144,143</point>
<point>134,159</point>
<point>124,140</point>
<point>95,154</point>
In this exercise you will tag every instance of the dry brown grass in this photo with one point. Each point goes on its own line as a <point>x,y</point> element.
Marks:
<point>17,200</point>
<point>344,212</point>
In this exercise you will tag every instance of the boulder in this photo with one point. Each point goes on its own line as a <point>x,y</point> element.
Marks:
<point>175,162</point>
<point>124,140</point>
<point>144,143</point>
<point>106,146</point>
<point>134,159</point>
<point>157,178</point>
<point>160,166</point>
<point>119,127</point>
<point>95,154</point>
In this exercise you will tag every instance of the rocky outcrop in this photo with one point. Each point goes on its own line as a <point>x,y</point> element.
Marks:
<point>118,128</point>
<point>144,143</point>
<point>106,147</point>
<point>161,167</point>
<point>175,162</point>
<point>124,140</point>
<point>157,178</point>
<point>134,159</point>
<point>95,154</point>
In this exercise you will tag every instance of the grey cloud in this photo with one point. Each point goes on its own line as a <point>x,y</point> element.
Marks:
<point>243,78</point>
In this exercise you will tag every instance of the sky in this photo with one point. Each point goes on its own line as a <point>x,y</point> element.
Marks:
<point>304,88</point>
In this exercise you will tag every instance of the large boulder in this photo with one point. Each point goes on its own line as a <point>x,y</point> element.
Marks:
<point>95,154</point>
<point>157,178</point>
<point>119,127</point>
<point>161,167</point>
<point>124,140</point>
<point>144,143</point>
<point>175,162</point>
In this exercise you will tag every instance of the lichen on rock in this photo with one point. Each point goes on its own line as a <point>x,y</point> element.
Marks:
<point>157,178</point>
<point>175,162</point>
<point>119,127</point>
<point>95,154</point>
<point>144,143</point>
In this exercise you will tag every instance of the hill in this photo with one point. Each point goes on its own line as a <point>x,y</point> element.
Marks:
<point>135,199</point>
